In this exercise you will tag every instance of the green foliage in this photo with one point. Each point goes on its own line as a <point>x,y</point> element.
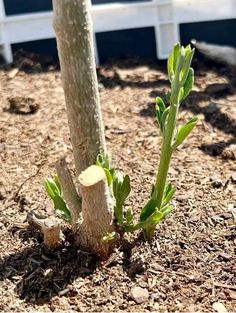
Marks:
<point>184,131</point>
<point>109,237</point>
<point>53,188</point>
<point>158,206</point>
<point>181,77</point>
<point>120,186</point>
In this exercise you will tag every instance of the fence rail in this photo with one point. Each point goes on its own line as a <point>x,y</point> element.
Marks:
<point>164,15</point>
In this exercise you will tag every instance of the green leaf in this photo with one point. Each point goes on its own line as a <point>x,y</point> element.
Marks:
<point>126,188</point>
<point>56,180</point>
<point>48,188</point>
<point>109,236</point>
<point>163,119</point>
<point>117,184</point>
<point>160,108</point>
<point>103,161</point>
<point>148,210</point>
<point>99,160</point>
<point>129,215</point>
<point>51,187</point>
<point>188,85</point>
<point>152,220</point>
<point>186,65</point>
<point>121,187</point>
<point>54,186</point>
<point>112,172</point>
<point>168,195</point>
<point>61,207</point>
<point>172,61</point>
<point>166,210</point>
<point>108,175</point>
<point>184,131</point>
<point>160,104</point>
<point>181,94</point>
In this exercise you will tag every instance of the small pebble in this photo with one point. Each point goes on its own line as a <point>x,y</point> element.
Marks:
<point>140,295</point>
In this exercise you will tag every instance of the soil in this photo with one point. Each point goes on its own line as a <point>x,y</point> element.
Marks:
<point>191,263</point>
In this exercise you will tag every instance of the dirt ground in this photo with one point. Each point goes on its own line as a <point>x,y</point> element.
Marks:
<point>191,263</point>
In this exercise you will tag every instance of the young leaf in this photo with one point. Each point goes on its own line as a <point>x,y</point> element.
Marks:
<point>51,187</point>
<point>117,184</point>
<point>160,108</point>
<point>161,104</point>
<point>61,207</point>
<point>188,85</point>
<point>56,180</point>
<point>108,175</point>
<point>103,161</point>
<point>186,65</point>
<point>163,119</point>
<point>126,188</point>
<point>172,61</point>
<point>148,210</point>
<point>109,236</point>
<point>167,210</point>
<point>152,220</point>
<point>181,94</point>
<point>129,215</point>
<point>184,131</point>
<point>99,160</point>
<point>169,193</point>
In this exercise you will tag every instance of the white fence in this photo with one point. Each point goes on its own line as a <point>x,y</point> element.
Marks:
<point>164,15</point>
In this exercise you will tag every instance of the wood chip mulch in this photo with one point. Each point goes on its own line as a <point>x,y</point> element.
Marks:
<point>191,263</point>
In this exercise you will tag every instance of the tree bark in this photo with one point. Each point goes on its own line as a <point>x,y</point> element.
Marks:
<point>69,191</point>
<point>73,27</point>
<point>96,211</point>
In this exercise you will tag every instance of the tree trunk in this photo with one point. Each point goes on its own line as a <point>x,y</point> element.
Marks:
<point>73,27</point>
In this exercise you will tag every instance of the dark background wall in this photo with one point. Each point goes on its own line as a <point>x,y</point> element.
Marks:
<point>132,42</point>
<point>27,6</point>
<point>218,32</point>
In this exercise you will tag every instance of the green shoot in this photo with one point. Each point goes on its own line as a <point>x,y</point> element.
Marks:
<point>120,186</point>
<point>53,188</point>
<point>181,77</point>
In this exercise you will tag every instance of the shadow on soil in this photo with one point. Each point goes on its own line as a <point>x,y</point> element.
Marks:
<point>40,274</point>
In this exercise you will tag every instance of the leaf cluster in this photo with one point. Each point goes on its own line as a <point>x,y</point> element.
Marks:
<point>53,188</point>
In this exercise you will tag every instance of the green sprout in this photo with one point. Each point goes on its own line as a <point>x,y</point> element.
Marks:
<point>181,77</point>
<point>119,183</point>
<point>53,188</point>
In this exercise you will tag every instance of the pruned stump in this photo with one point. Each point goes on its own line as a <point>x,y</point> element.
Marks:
<point>51,234</point>
<point>49,228</point>
<point>97,213</point>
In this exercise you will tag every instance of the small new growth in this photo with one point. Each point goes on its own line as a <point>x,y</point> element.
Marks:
<point>158,206</point>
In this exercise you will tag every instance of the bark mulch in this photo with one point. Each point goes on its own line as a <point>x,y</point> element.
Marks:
<point>191,263</point>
